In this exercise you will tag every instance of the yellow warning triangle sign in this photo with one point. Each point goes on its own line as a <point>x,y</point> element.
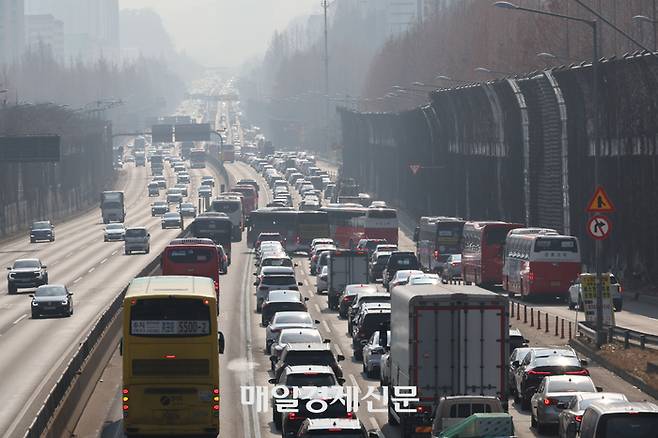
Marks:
<point>600,202</point>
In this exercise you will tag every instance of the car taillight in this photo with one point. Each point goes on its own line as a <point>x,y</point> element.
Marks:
<point>538,373</point>
<point>453,264</point>
<point>421,409</point>
<point>216,285</point>
<point>531,276</point>
<point>215,401</point>
<point>578,418</point>
<point>350,415</point>
<point>578,373</point>
<point>550,401</point>
<point>293,416</point>
<point>621,289</point>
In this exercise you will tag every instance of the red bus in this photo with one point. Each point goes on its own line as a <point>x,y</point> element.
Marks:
<point>196,257</point>
<point>381,223</point>
<point>540,262</point>
<point>482,253</point>
<point>346,223</point>
<point>249,197</point>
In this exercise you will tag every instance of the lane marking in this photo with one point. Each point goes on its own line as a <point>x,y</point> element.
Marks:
<point>338,350</point>
<point>326,326</point>
<point>22,317</point>
<point>115,251</point>
<point>353,380</point>
<point>373,423</point>
<point>77,279</point>
<point>317,308</point>
<point>91,270</point>
<point>103,261</point>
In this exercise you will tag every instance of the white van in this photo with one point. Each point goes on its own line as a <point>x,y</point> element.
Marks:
<point>232,207</point>
<point>137,239</point>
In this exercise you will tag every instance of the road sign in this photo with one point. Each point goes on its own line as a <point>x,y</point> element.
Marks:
<point>599,227</point>
<point>30,149</point>
<point>162,133</point>
<point>600,202</point>
<point>414,168</point>
<point>192,131</point>
<point>588,289</point>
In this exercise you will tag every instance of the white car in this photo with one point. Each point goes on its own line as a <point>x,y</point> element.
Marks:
<point>322,282</point>
<point>114,232</point>
<point>373,351</point>
<point>401,277</point>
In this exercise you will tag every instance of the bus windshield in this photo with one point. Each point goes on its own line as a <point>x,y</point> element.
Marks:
<point>182,317</point>
<point>225,206</point>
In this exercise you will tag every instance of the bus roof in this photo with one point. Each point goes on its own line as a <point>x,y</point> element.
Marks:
<point>484,224</point>
<point>166,285</point>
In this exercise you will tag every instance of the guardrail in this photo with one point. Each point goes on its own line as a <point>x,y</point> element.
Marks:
<point>627,336</point>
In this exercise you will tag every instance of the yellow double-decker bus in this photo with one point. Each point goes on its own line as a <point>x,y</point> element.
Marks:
<point>170,351</point>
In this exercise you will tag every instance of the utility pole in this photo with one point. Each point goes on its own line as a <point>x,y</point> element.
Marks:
<point>325,6</point>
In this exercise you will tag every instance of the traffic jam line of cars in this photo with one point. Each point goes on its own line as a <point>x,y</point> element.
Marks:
<point>551,382</point>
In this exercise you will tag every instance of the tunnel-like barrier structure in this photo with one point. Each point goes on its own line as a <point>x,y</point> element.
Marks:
<point>522,149</point>
<point>38,191</point>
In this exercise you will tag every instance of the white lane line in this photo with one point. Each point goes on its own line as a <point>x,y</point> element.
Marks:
<point>77,279</point>
<point>373,423</point>
<point>317,308</point>
<point>353,380</point>
<point>326,327</point>
<point>103,261</point>
<point>115,251</point>
<point>22,317</point>
<point>338,350</point>
<point>91,270</point>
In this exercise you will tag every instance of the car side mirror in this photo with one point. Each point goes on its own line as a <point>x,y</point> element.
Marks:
<point>299,283</point>
<point>295,265</point>
<point>273,358</point>
<point>599,389</point>
<point>584,362</point>
<point>526,341</point>
<point>70,294</point>
<point>340,358</point>
<point>341,381</point>
<point>326,341</point>
<point>364,342</point>
<point>306,298</point>
<point>316,321</point>
<point>31,295</point>
<point>273,381</point>
<point>44,266</point>
<point>221,342</point>
<point>256,274</point>
<point>255,283</point>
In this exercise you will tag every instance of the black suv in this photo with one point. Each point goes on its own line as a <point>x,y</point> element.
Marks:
<point>369,322</point>
<point>399,260</point>
<point>26,273</point>
<point>42,230</point>
<point>309,354</point>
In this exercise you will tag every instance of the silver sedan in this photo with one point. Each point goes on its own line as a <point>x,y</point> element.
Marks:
<point>552,394</point>
<point>572,412</point>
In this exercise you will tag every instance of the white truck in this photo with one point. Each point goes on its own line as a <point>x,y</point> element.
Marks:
<point>112,207</point>
<point>345,267</point>
<point>446,340</point>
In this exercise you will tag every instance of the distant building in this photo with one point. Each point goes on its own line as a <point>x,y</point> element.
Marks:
<point>44,30</point>
<point>91,27</point>
<point>12,31</point>
<point>400,15</point>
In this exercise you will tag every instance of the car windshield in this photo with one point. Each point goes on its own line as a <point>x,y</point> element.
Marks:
<point>278,280</point>
<point>187,205</point>
<point>293,318</point>
<point>310,379</point>
<point>288,295</point>
<point>575,385</point>
<point>41,225</point>
<point>310,358</point>
<point>50,291</point>
<point>20,264</point>
<point>172,216</point>
<point>114,227</point>
<point>628,425</point>
<point>135,232</point>
<point>294,337</point>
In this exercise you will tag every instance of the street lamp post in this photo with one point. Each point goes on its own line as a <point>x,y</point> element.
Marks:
<point>600,334</point>
<point>653,21</point>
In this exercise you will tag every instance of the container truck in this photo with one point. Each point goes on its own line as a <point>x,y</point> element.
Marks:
<point>112,207</point>
<point>345,267</point>
<point>140,159</point>
<point>446,340</point>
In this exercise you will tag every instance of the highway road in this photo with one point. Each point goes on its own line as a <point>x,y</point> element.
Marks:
<point>245,364</point>
<point>34,351</point>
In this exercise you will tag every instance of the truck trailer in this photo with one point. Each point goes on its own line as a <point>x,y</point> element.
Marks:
<point>446,340</point>
<point>112,207</point>
<point>345,267</point>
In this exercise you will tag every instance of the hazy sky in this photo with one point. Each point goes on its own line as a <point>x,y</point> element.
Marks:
<point>224,32</point>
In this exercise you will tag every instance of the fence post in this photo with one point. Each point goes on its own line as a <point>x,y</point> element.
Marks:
<point>538,319</point>
<point>525,314</point>
<point>562,329</point>
<point>518,311</point>
<point>556,321</point>
<point>643,341</point>
<point>611,334</point>
<point>546,328</point>
<point>532,317</point>
<point>512,314</point>
<point>569,330</point>
<point>627,339</point>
